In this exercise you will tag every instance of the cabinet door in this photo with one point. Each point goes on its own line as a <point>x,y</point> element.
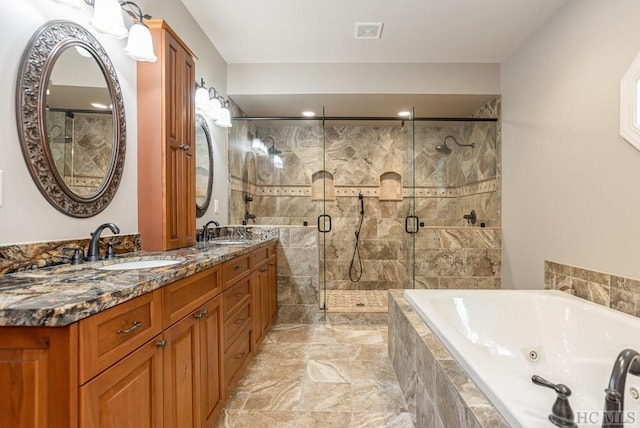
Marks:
<point>180,133</point>
<point>38,377</point>
<point>265,299</point>
<point>210,326</point>
<point>129,394</point>
<point>257,296</point>
<point>182,373</point>
<point>273,288</point>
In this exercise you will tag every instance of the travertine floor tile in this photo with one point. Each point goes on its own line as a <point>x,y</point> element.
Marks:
<point>306,376</point>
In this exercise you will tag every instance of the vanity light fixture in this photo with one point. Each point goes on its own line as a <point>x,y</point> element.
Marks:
<point>213,105</point>
<point>108,19</point>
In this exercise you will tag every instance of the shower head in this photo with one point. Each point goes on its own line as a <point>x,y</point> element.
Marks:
<point>444,149</point>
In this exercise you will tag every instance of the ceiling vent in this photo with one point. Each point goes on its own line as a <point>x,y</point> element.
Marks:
<point>368,30</point>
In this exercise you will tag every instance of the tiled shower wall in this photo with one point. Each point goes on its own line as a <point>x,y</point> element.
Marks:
<point>447,187</point>
<point>612,291</point>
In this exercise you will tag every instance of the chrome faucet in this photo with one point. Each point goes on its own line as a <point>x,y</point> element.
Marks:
<point>628,361</point>
<point>248,216</point>
<point>204,234</point>
<point>93,252</point>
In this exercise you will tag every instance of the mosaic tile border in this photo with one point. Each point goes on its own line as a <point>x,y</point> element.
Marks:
<point>485,186</point>
<point>612,291</point>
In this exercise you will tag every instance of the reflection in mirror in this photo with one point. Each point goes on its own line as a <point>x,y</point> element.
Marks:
<point>630,104</point>
<point>79,121</point>
<point>71,119</point>
<point>204,165</point>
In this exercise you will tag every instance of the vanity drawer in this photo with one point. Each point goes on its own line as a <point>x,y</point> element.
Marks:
<point>259,256</point>
<point>236,323</point>
<point>234,269</point>
<point>237,356</point>
<point>108,336</point>
<point>235,297</point>
<point>186,295</point>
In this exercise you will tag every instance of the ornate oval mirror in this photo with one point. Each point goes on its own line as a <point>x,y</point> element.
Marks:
<point>71,119</point>
<point>204,165</point>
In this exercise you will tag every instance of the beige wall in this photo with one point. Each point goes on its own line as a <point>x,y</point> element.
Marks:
<point>570,182</point>
<point>25,215</point>
<point>364,79</point>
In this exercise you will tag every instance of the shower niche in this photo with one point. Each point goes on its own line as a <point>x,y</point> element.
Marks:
<point>390,186</point>
<point>322,186</point>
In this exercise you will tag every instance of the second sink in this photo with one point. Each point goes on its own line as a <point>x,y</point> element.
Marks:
<point>139,264</point>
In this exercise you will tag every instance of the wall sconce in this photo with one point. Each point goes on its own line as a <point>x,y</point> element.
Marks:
<point>277,159</point>
<point>258,146</point>
<point>213,105</point>
<point>107,18</point>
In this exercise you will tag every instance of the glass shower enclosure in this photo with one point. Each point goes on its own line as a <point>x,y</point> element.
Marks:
<point>374,189</point>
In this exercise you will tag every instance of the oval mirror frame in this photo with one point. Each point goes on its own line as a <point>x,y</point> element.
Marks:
<point>202,208</point>
<point>630,104</point>
<point>45,46</point>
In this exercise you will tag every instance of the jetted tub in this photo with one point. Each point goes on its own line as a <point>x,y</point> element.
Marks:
<point>503,337</point>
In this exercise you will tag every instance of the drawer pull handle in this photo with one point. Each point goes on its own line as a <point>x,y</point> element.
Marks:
<point>161,343</point>
<point>237,268</point>
<point>240,295</point>
<point>202,314</point>
<point>136,325</point>
<point>240,355</point>
<point>184,146</point>
<point>240,321</point>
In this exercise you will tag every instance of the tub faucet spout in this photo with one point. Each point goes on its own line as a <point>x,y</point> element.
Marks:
<point>628,361</point>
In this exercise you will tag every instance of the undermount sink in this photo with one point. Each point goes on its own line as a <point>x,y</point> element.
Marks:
<point>139,264</point>
<point>225,241</point>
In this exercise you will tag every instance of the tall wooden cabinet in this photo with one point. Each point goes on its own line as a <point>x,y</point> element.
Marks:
<point>166,143</point>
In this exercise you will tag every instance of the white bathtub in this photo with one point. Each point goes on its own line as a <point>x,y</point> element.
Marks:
<point>491,334</point>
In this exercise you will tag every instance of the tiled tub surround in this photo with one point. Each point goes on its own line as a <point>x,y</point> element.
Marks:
<point>613,291</point>
<point>436,388</point>
<point>58,296</point>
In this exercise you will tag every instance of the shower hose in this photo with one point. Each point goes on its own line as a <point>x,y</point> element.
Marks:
<point>355,272</point>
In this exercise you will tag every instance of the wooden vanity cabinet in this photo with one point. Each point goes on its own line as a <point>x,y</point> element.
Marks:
<point>166,143</point>
<point>168,358</point>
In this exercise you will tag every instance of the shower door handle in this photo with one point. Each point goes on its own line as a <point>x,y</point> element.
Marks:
<point>411,224</point>
<point>323,219</point>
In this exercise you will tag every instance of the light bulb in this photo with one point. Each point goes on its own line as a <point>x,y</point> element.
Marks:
<point>224,118</point>
<point>107,18</point>
<point>140,46</point>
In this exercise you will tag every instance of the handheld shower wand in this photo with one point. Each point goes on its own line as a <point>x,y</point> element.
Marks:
<point>355,272</point>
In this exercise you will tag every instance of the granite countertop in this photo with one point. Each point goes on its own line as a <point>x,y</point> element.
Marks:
<point>62,295</point>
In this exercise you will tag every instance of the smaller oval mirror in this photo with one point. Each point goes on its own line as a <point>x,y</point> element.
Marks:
<point>204,165</point>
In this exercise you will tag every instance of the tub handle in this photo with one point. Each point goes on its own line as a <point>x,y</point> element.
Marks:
<point>561,413</point>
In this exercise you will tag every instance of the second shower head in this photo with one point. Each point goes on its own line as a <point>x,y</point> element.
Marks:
<point>444,149</point>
